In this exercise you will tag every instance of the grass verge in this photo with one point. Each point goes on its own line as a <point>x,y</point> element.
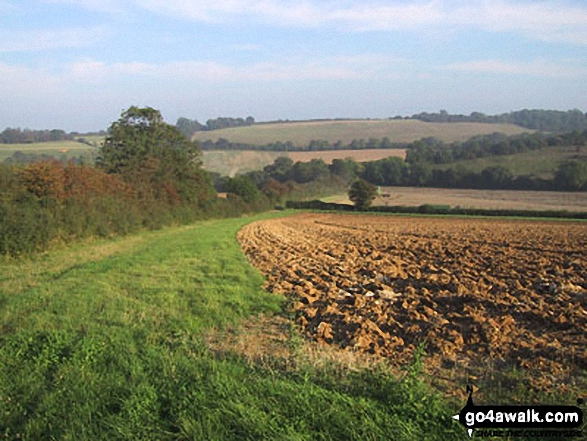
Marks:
<point>106,340</point>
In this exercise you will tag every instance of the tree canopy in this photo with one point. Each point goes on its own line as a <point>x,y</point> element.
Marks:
<point>143,148</point>
<point>362,194</point>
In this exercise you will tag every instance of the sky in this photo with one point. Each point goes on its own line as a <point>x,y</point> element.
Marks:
<point>77,64</point>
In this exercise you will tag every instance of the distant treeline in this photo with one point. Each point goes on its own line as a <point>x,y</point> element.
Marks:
<point>188,127</point>
<point>20,136</point>
<point>570,176</point>
<point>436,209</point>
<point>543,120</point>
<point>313,146</point>
<point>434,151</point>
<point>430,150</point>
<point>421,156</point>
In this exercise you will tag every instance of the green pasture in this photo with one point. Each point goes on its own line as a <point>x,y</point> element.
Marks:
<point>106,340</point>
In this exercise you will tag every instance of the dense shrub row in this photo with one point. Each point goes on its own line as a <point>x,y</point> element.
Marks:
<point>36,213</point>
<point>436,209</point>
<point>49,202</point>
<point>148,175</point>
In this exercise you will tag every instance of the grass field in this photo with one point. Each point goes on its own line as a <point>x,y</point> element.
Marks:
<point>57,149</point>
<point>487,199</point>
<point>301,133</point>
<point>112,339</point>
<point>231,162</point>
<point>541,163</point>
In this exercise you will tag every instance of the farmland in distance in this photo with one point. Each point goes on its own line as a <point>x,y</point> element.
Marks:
<point>484,199</point>
<point>57,149</point>
<point>301,133</point>
<point>231,162</point>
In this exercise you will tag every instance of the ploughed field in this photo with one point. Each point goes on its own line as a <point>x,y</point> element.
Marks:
<point>483,295</point>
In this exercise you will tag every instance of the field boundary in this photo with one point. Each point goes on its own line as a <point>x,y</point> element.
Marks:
<point>441,210</point>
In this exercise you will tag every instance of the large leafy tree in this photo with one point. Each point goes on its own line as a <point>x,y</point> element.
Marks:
<point>155,155</point>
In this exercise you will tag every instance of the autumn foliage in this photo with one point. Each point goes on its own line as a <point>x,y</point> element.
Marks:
<point>53,179</point>
<point>147,175</point>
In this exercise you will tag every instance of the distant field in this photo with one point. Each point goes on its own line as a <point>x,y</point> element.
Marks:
<point>71,149</point>
<point>358,155</point>
<point>488,199</point>
<point>231,162</point>
<point>540,163</point>
<point>301,133</point>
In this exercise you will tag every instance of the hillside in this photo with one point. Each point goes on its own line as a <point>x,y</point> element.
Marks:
<point>301,133</point>
<point>539,163</point>
<point>232,162</point>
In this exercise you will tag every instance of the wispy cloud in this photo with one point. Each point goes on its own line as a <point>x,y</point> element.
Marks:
<point>363,16</point>
<point>40,40</point>
<point>25,81</point>
<point>109,6</point>
<point>544,20</point>
<point>535,68</point>
<point>293,68</point>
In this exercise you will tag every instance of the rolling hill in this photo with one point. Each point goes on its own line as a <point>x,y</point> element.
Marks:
<point>540,163</point>
<point>301,133</point>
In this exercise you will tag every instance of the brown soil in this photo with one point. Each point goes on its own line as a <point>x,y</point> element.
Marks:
<point>358,155</point>
<point>486,199</point>
<point>485,294</point>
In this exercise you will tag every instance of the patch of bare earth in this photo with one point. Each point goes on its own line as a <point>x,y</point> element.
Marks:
<point>487,199</point>
<point>483,296</point>
<point>271,343</point>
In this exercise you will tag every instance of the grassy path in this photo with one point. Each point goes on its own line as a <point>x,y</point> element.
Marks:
<point>104,340</point>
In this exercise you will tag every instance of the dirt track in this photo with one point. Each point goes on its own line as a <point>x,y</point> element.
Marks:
<point>512,293</point>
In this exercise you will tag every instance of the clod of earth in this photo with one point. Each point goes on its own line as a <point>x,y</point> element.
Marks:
<point>511,291</point>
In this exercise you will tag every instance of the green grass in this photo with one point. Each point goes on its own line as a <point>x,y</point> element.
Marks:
<point>301,133</point>
<point>105,340</point>
<point>56,149</point>
<point>540,163</point>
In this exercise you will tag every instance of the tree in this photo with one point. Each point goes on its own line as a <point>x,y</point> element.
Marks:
<point>347,169</point>
<point>571,176</point>
<point>496,177</point>
<point>303,172</point>
<point>362,194</point>
<point>280,169</point>
<point>188,127</point>
<point>145,150</point>
<point>244,187</point>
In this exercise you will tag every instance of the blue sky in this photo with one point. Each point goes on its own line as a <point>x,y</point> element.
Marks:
<point>76,64</point>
